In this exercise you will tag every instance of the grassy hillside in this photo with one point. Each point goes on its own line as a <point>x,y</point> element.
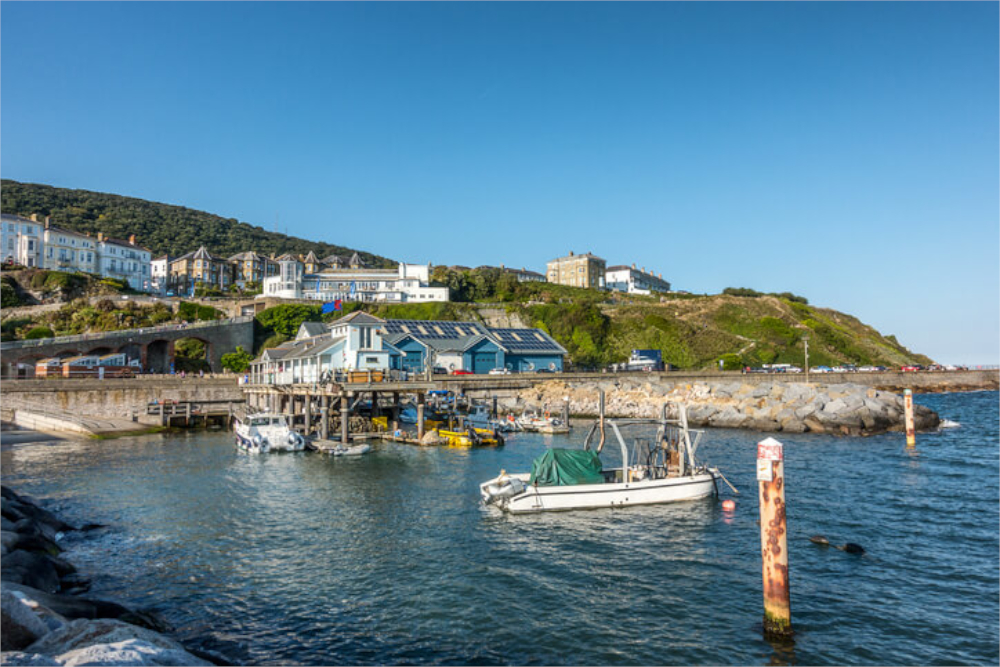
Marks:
<point>694,332</point>
<point>163,228</point>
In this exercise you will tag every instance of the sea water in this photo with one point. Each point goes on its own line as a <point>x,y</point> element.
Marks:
<point>391,558</point>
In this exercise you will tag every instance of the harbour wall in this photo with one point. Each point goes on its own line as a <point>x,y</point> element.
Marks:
<point>116,398</point>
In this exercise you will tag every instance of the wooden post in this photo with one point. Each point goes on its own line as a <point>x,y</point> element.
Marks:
<point>494,415</point>
<point>187,414</point>
<point>345,418</point>
<point>308,413</point>
<point>420,416</point>
<point>565,415</point>
<point>773,538</point>
<point>911,439</point>
<point>162,422</point>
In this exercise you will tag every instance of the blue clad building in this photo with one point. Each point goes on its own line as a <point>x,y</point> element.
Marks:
<point>470,346</point>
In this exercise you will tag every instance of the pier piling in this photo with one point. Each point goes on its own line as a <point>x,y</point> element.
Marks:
<point>773,539</point>
<point>911,439</point>
<point>345,418</point>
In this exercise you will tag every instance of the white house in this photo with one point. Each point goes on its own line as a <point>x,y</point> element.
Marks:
<point>634,281</point>
<point>65,250</point>
<point>21,240</point>
<point>124,260</point>
<point>352,343</point>
<point>407,283</point>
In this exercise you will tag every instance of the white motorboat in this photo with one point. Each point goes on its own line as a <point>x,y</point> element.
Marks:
<point>540,423</point>
<point>267,432</point>
<point>656,470</point>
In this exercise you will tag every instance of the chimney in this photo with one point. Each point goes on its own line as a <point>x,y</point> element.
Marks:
<point>48,221</point>
<point>660,276</point>
<point>100,237</point>
<point>502,267</point>
<point>34,217</point>
<point>131,239</point>
<point>570,253</point>
<point>633,266</point>
<point>644,269</point>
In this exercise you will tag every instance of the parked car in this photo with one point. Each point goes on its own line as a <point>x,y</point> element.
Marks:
<point>440,370</point>
<point>500,371</point>
<point>461,371</point>
<point>545,370</point>
<point>912,368</point>
<point>821,369</point>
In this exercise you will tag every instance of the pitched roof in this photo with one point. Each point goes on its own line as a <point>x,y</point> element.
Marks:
<point>311,329</point>
<point>356,260</point>
<point>288,257</point>
<point>311,258</point>
<point>527,341</point>
<point>200,253</point>
<point>358,317</point>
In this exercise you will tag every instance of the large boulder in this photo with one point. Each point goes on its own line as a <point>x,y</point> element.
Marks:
<point>31,569</point>
<point>19,625</point>
<point>74,607</point>
<point>22,659</point>
<point>122,644</point>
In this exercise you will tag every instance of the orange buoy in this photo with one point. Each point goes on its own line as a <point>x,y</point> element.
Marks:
<point>729,505</point>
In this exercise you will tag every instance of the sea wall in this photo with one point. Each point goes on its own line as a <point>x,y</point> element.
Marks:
<point>793,407</point>
<point>116,398</point>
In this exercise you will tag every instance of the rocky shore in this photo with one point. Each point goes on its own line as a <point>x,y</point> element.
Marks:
<point>792,407</point>
<point>44,617</point>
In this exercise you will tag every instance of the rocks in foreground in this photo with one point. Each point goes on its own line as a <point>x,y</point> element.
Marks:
<point>792,407</point>
<point>43,620</point>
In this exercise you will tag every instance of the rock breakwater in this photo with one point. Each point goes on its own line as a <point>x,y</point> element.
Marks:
<point>793,407</point>
<point>43,618</point>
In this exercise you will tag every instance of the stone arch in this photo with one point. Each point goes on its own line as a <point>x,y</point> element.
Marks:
<point>159,356</point>
<point>193,364</point>
<point>101,350</point>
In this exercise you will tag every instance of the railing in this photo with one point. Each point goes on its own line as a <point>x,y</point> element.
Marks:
<point>59,340</point>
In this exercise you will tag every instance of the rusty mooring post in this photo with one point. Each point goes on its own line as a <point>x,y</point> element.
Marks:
<point>911,439</point>
<point>773,538</point>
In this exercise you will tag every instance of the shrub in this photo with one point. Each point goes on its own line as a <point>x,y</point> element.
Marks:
<point>8,294</point>
<point>237,361</point>
<point>193,312</point>
<point>287,318</point>
<point>39,332</point>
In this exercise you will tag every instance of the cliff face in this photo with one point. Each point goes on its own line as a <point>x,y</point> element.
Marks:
<point>843,409</point>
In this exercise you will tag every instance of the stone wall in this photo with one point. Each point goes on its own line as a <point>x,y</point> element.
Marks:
<point>117,398</point>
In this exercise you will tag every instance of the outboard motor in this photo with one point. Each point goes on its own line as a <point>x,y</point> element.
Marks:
<point>504,488</point>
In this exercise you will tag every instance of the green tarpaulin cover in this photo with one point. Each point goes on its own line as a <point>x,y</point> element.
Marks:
<point>565,467</point>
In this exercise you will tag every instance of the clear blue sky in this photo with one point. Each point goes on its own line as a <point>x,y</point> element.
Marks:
<point>847,152</point>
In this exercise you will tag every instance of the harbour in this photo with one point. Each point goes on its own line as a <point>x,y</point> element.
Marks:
<point>391,557</point>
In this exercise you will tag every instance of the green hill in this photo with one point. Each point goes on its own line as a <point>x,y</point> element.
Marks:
<point>163,228</point>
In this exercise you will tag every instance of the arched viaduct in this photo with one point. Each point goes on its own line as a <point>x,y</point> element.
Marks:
<point>153,346</point>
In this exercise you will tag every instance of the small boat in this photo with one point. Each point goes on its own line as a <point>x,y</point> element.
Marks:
<point>540,423</point>
<point>335,448</point>
<point>472,437</point>
<point>656,470</point>
<point>267,432</point>
<point>480,416</point>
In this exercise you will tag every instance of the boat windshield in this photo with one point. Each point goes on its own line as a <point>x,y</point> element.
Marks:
<point>260,421</point>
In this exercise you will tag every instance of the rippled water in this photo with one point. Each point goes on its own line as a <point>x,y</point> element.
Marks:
<point>390,558</point>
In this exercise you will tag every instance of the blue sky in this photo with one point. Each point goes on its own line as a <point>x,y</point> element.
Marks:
<point>847,152</point>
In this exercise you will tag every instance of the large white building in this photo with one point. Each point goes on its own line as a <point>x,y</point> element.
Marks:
<point>65,250</point>
<point>124,260</point>
<point>634,281</point>
<point>407,283</point>
<point>21,240</point>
